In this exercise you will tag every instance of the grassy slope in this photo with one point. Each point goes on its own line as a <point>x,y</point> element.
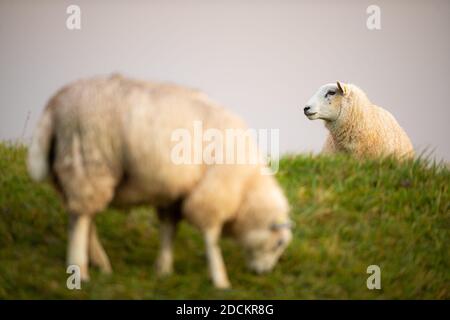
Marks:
<point>348,215</point>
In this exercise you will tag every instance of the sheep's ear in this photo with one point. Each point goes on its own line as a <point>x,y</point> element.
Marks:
<point>342,88</point>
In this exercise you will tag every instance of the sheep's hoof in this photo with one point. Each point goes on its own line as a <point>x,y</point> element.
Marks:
<point>106,269</point>
<point>100,260</point>
<point>84,274</point>
<point>104,266</point>
<point>163,269</point>
<point>223,285</point>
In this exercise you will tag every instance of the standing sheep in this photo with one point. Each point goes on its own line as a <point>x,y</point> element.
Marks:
<point>109,140</point>
<point>357,126</point>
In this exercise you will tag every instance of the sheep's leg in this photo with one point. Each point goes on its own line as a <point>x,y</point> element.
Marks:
<point>77,253</point>
<point>88,186</point>
<point>217,268</point>
<point>97,254</point>
<point>164,263</point>
<point>169,217</point>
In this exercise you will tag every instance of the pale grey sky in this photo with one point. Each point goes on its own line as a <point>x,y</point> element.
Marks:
<point>262,59</point>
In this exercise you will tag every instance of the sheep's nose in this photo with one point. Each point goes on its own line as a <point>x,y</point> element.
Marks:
<point>306,109</point>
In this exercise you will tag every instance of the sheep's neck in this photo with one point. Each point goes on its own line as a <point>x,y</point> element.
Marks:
<point>349,127</point>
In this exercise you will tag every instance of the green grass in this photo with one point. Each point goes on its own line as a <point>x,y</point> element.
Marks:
<point>348,214</point>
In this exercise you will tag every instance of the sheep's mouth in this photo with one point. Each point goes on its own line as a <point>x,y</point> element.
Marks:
<point>310,114</point>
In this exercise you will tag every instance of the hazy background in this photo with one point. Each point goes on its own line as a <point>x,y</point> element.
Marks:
<point>263,59</point>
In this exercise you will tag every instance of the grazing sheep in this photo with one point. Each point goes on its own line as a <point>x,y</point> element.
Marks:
<point>357,126</point>
<point>109,140</point>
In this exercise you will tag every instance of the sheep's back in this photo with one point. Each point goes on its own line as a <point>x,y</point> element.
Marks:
<point>127,126</point>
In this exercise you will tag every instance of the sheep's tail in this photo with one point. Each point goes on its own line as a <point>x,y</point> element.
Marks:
<point>40,148</point>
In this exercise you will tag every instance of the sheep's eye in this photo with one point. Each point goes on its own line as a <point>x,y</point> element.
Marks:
<point>330,93</point>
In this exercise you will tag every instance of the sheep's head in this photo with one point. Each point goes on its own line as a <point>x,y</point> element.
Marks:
<point>327,102</point>
<point>264,225</point>
<point>264,246</point>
